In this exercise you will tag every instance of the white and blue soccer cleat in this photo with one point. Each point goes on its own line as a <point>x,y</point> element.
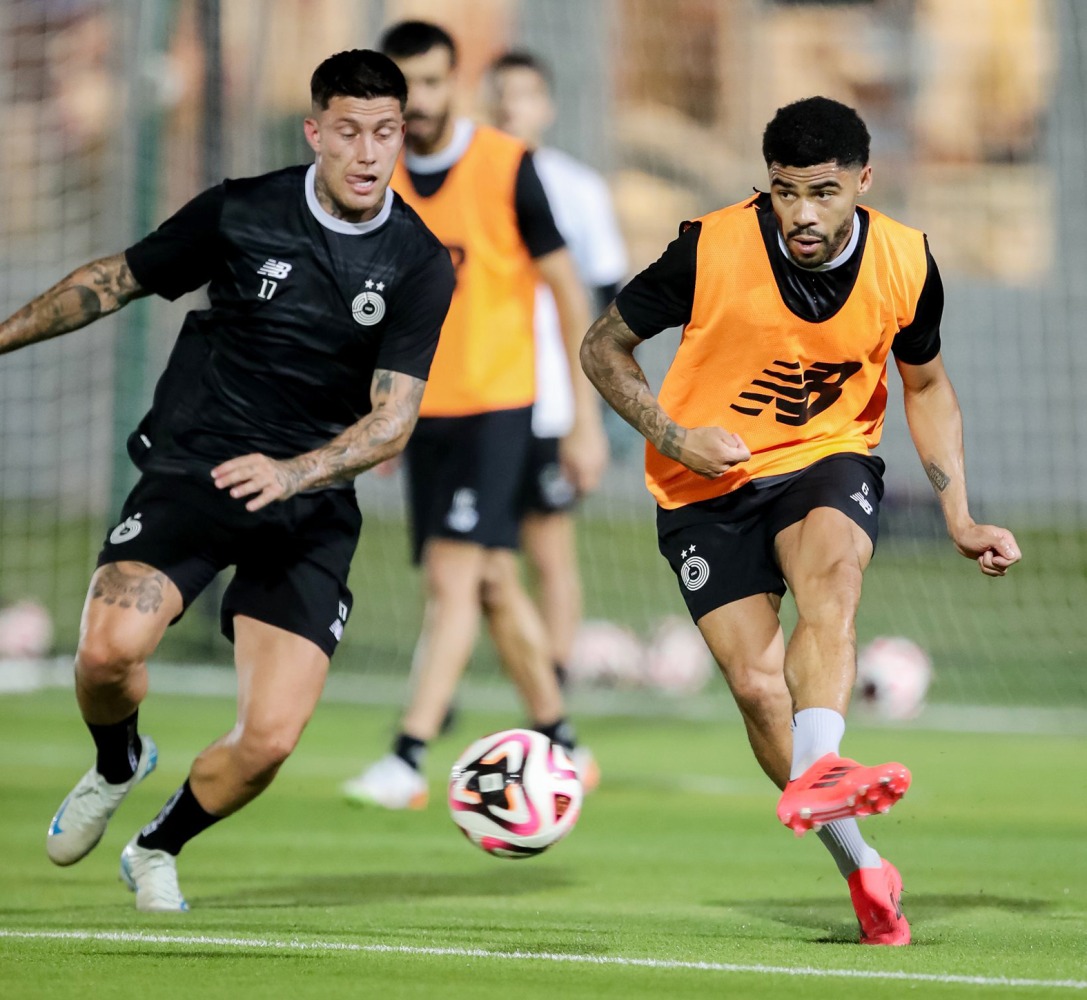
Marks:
<point>84,814</point>
<point>152,876</point>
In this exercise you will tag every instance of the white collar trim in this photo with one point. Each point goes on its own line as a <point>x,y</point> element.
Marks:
<point>830,265</point>
<point>443,159</point>
<point>330,221</point>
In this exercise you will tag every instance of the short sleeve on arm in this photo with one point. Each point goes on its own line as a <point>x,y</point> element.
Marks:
<point>662,295</point>
<point>534,217</point>
<point>919,343</point>
<point>180,255</point>
<point>417,313</point>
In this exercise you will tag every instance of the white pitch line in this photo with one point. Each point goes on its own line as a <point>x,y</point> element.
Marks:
<point>271,944</point>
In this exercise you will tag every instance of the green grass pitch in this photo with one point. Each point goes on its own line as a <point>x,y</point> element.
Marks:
<point>677,859</point>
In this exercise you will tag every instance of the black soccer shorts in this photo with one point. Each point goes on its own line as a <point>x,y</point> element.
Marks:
<point>291,558</point>
<point>546,489</point>
<point>722,550</point>
<point>466,478</point>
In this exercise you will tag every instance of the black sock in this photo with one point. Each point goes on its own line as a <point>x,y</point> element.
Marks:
<point>561,732</point>
<point>119,749</point>
<point>562,675</point>
<point>410,750</point>
<point>181,819</point>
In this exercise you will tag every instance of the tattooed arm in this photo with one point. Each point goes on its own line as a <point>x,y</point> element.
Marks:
<point>88,293</point>
<point>607,355</point>
<point>378,436</point>
<point>935,420</point>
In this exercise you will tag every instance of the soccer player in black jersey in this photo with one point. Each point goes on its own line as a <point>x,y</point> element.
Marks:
<point>327,294</point>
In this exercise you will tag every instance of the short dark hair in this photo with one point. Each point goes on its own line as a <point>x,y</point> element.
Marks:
<point>414,38</point>
<point>357,73</point>
<point>816,130</point>
<point>523,59</point>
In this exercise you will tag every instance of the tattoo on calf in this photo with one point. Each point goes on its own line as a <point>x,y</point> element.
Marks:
<point>939,479</point>
<point>144,592</point>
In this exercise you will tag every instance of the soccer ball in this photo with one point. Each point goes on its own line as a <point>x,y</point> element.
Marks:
<point>604,654</point>
<point>893,675</point>
<point>514,793</point>
<point>26,631</point>
<point>677,659</point>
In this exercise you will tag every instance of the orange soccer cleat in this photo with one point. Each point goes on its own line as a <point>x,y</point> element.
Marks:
<point>877,899</point>
<point>835,788</point>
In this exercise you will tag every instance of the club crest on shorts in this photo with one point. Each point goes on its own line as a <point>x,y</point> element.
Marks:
<point>128,529</point>
<point>368,307</point>
<point>695,571</point>
<point>555,489</point>
<point>463,513</point>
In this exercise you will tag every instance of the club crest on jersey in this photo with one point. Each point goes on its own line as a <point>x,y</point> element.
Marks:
<point>368,307</point>
<point>695,571</point>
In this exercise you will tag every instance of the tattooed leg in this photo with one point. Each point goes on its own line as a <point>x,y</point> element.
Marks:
<point>128,607</point>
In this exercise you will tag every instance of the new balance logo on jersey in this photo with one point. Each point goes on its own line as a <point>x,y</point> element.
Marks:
<point>861,496</point>
<point>272,269</point>
<point>278,269</point>
<point>798,395</point>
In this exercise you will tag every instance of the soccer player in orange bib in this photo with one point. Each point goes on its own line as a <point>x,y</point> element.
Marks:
<point>478,191</point>
<point>759,454</point>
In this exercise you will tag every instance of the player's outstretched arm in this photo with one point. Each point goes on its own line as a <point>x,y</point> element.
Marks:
<point>935,420</point>
<point>607,356</point>
<point>378,436</point>
<point>88,293</point>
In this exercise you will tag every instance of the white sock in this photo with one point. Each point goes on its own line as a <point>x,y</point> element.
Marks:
<point>842,837</point>
<point>816,732</point>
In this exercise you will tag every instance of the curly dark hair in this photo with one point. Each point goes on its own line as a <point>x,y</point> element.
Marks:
<point>816,130</point>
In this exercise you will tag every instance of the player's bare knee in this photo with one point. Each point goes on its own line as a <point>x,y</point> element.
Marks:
<point>261,751</point>
<point>106,660</point>
<point>757,692</point>
<point>830,595</point>
<point>500,580</point>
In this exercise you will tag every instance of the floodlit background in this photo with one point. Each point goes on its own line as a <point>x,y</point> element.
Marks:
<point>115,112</point>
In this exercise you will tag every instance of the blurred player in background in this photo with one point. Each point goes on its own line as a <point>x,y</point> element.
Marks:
<point>478,190</point>
<point>323,285</point>
<point>759,457</point>
<point>520,91</point>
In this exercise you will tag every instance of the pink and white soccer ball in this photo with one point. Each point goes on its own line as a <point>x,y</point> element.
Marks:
<point>893,677</point>
<point>677,659</point>
<point>26,631</point>
<point>514,793</point>
<point>605,654</point>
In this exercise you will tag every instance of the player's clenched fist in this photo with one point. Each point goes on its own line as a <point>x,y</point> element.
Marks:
<point>994,548</point>
<point>711,451</point>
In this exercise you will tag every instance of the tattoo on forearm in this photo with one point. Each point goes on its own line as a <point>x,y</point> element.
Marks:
<point>608,359</point>
<point>940,480</point>
<point>85,295</point>
<point>378,436</point>
<point>142,591</point>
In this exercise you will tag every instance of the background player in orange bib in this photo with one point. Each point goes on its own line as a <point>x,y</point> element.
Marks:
<point>477,190</point>
<point>758,454</point>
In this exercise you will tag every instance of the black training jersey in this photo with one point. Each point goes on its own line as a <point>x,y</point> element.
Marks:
<point>303,308</point>
<point>663,294</point>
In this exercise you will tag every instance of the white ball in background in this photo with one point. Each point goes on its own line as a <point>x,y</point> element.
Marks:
<point>26,631</point>
<point>677,659</point>
<point>893,677</point>
<point>605,654</point>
